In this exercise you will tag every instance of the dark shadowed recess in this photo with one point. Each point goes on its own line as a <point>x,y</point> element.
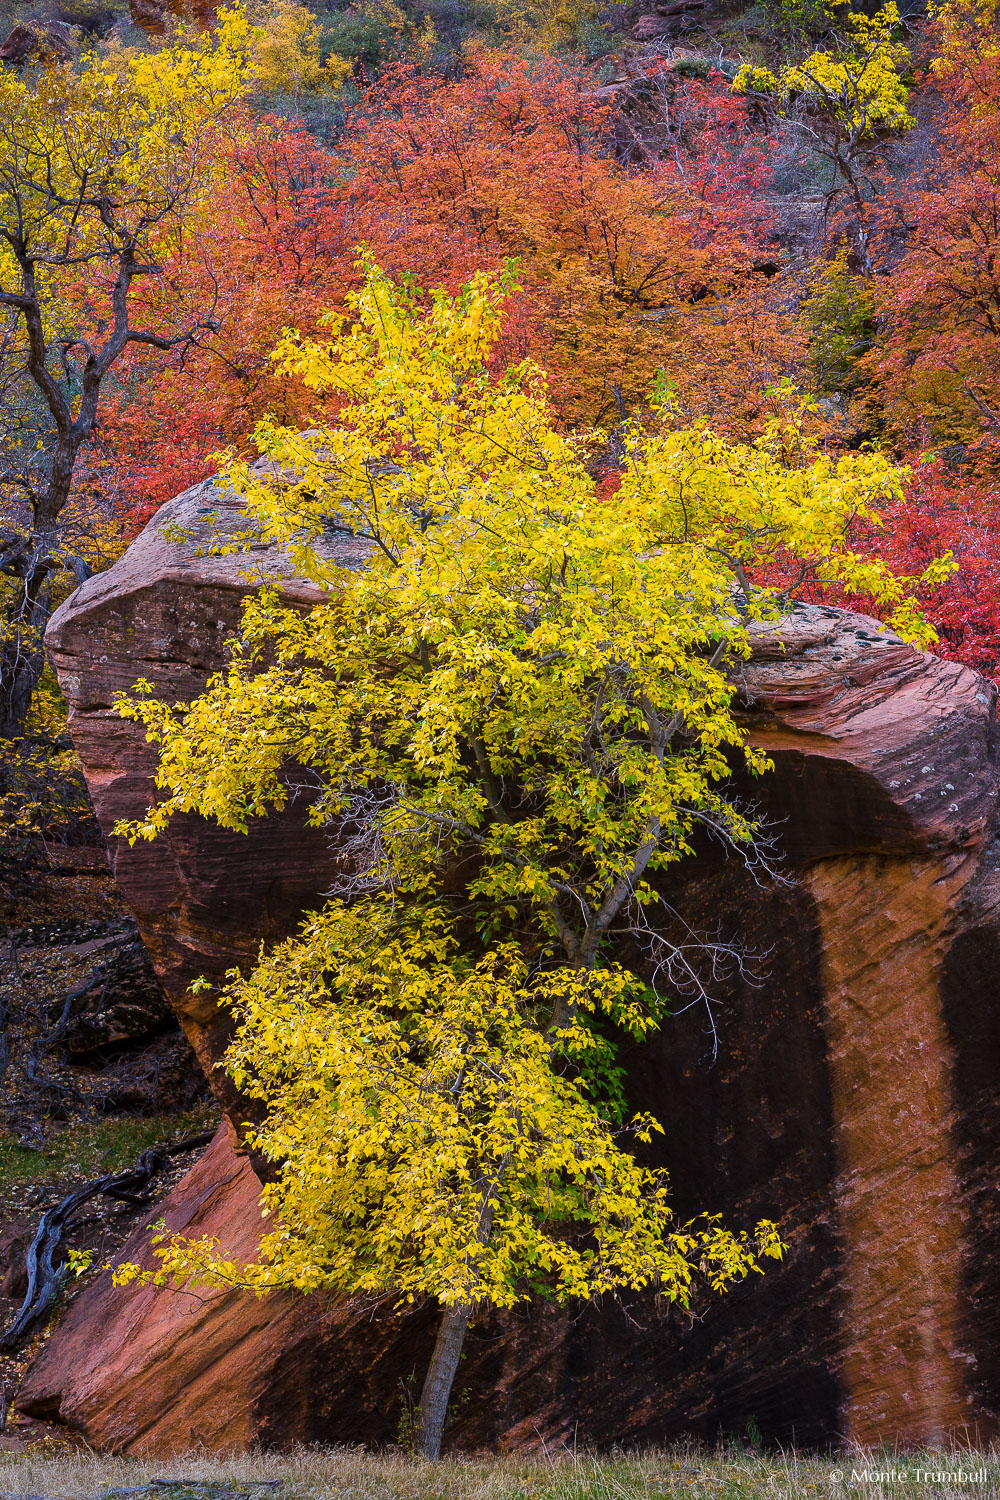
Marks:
<point>820,806</point>
<point>747,1135</point>
<point>971,1004</point>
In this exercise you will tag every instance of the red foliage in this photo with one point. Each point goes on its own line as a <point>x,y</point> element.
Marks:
<point>276,251</point>
<point>941,514</point>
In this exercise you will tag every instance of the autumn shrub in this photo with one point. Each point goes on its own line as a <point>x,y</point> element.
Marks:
<point>564,25</point>
<point>274,246</point>
<point>938,359</point>
<point>616,262</point>
<point>372,33</point>
<point>941,513</point>
<point>289,53</point>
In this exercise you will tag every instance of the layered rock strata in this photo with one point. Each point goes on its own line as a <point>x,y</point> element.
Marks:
<point>853,1097</point>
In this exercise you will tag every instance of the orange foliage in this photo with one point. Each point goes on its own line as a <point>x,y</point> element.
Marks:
<point>623,270</point>
<point>939,360</point>
<point>514,160</point>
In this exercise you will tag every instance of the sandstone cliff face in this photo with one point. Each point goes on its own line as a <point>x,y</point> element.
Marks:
<point>854,1096</point>
<point>203,898</point>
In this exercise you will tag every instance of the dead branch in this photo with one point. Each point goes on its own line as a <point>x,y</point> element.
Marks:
<point>44,1277</point>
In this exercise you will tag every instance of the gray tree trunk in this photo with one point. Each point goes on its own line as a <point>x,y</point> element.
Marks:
<point>441,1377</point>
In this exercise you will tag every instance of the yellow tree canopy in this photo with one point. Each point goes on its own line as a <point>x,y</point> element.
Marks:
<point>103,167</point>
<point>859,84</point>
<point>509,624</point>
<point>90,156</point>
<point>516,712</point>
<point>424,1142</point>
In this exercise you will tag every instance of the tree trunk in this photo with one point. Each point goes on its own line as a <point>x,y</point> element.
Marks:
<point>21,668</point>
<point>441,1377</point>
<point>22,654</point>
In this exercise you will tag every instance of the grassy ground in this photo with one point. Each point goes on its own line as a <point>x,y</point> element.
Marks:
<point>684,1472</point>
<point>91,1150</point>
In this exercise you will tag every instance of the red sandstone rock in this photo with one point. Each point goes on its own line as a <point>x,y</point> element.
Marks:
<point>652,29</point>
<point>837,701</point>
<point>855,1096</point>
<point>37,40</point>
<point>149,15</point>
<point>175,1370</point>
<point>203,898</point>
<point>668,20</point>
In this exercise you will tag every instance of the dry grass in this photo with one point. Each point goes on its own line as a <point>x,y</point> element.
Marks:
<point>688,1472</point>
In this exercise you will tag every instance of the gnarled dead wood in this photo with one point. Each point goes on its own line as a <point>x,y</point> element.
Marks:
<point>44,1277</point>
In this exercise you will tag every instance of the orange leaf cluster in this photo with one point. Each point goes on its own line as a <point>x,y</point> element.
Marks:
<point>623,270</point>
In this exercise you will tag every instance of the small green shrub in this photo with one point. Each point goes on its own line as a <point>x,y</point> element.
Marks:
<point>695,67</point>
<point>840,316</point>
<point>594,40</point>
<point>371,34</point>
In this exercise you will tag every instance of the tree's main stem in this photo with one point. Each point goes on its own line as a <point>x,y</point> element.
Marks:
<point>440,1377</point>
<point>22,659</point>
